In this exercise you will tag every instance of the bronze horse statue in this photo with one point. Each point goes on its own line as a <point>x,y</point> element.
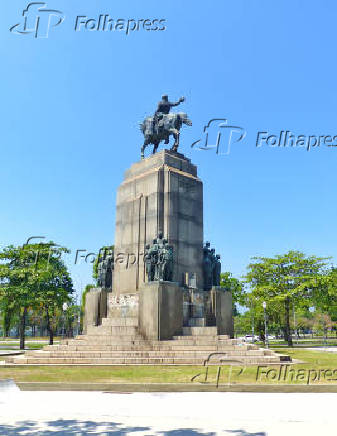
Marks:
<point>160,129</point>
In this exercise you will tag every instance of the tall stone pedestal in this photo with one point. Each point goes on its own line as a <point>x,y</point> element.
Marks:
<point>160,310</point>
<point>159,194</point>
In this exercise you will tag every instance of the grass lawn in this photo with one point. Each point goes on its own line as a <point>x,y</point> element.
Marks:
<point>28,345</point>
<point>35,346</point>
<point>318,368</point>
<point>303,343</point>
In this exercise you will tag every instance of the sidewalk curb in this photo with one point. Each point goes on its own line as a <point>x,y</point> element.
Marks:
<point>173,387</point>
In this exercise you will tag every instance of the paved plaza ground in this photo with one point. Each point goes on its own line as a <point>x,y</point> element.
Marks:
<point>175,414</point>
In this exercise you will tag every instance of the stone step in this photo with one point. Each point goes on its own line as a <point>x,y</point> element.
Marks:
<point>191,337</point>
<point>188,340</point>
<point>144,361</point>
<point>203,337</point>
<point>94,339</point>
<point>139,350</point>
<point>132,339</point>
<point>106,340</point>
<point>200,331</point>
<point>112,330</point>
<point>127,321</point>
<point>158,347</point>
<point>143,354</point>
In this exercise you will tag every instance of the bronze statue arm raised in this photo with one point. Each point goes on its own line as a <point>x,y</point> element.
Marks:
<point>164,105</point>
<point>177,103</point>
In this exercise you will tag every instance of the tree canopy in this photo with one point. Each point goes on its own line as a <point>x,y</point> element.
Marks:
<point>33,276</point>
<point>291,278</point>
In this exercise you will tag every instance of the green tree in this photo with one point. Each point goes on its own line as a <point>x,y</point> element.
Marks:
<point>71,319</point>
<point>242,323</point>
<point>322,323</point>
<point>8,313</point>
<point>18,284</point>
<point>324,292</point>
<point>54,285</point>
<point>236,287</point>
<point>256,314</point>
<point>31,275</point>
<point>286,278</point>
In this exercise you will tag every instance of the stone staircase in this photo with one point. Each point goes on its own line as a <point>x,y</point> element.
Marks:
<point>118,342</point>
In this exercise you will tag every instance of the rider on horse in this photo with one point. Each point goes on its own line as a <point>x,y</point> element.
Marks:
<point>164,107</point>
<point>162,125</point>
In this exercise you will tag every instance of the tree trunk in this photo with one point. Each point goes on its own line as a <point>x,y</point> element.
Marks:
<point>7,322</point>
<point>287,332</point>
<point>7,330</point>
<point>51,336</point>
<point>50,329</point>
<point>22,328</point>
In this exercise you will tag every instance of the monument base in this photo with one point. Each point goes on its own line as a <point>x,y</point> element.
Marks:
<point>125,305</point>
<point>160,310</point>
<point>147,329</point>
<point>222,311</point>
<point>95,307</point>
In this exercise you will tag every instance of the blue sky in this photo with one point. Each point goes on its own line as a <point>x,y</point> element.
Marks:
<point>71,104</point>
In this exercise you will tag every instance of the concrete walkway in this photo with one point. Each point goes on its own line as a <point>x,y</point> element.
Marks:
<point>10,352</point>
<point>176,414</point>
<point>324,349</point>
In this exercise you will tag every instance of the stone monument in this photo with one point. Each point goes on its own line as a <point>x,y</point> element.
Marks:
<point>163,274</point>
<point>158,298</point>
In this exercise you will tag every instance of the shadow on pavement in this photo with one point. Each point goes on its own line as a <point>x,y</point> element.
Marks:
<point>76,427</point>
<point>245,433</point>
<point>186,432</point>
<point>68,427</point>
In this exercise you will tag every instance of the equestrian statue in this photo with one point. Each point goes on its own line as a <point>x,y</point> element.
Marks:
<point>163,124</point>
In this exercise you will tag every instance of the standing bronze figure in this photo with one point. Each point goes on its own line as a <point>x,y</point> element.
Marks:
<point>159,260</point>
<point>211,267</point>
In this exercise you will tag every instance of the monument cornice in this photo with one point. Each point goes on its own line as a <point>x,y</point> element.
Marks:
<point>158,168</point>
